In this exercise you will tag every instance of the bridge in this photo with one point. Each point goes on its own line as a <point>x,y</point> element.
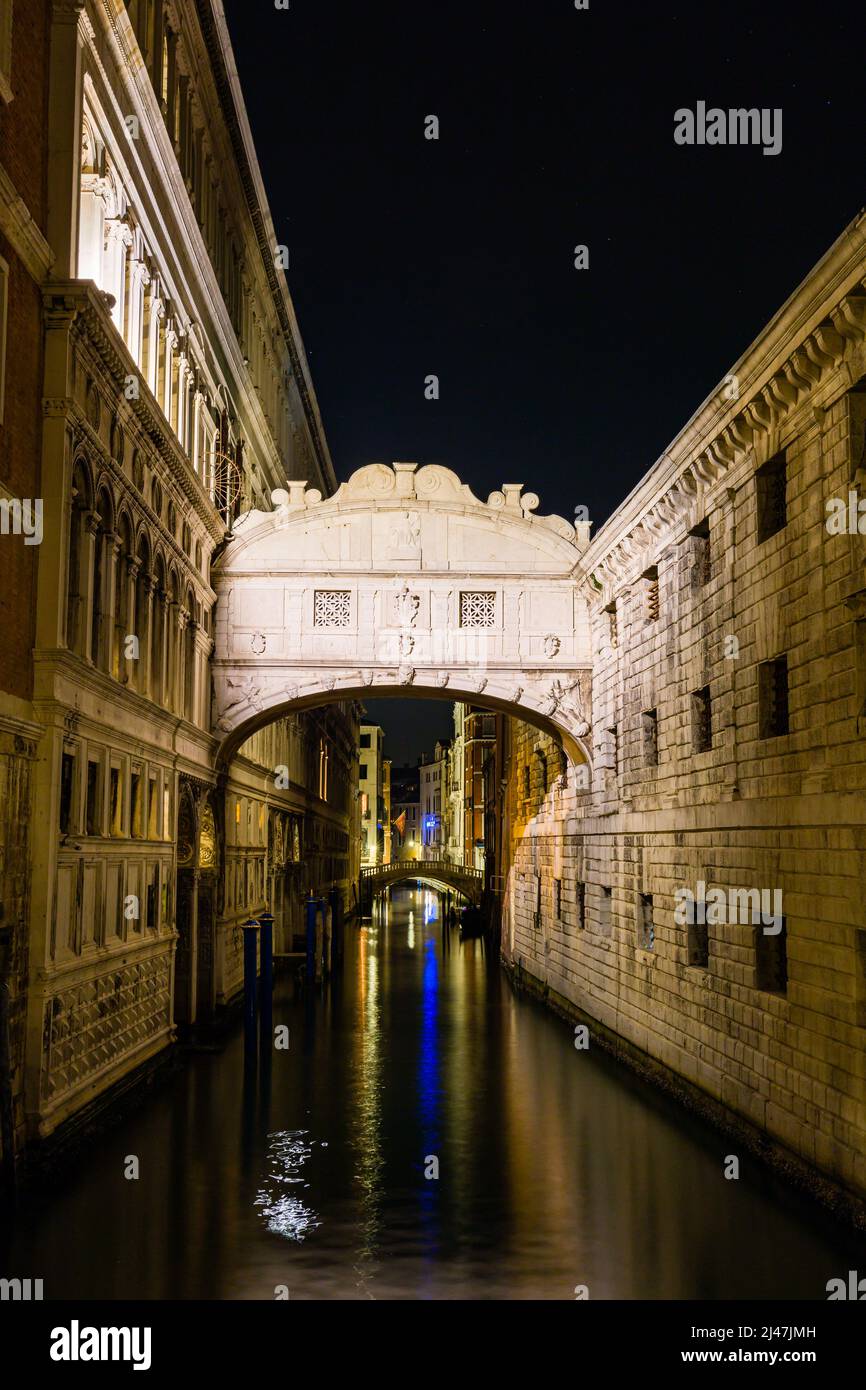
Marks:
<point>441,873</point>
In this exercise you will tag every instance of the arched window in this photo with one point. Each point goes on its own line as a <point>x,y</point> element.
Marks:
<point>142,615</point>
<point>189,682</point>
<point>101,615</point>
<point>120,663</point>
<point>158,683</point>
<point>79,572</point>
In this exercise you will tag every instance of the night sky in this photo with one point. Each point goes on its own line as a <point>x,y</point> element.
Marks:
<point>411,257</point>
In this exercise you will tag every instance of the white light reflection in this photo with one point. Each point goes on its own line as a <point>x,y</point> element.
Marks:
<point>285,1214</point>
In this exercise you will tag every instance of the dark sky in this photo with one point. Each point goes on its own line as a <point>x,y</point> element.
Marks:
<point>455,257</point>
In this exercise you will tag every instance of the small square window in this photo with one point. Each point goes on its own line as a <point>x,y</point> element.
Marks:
<point>700,554</point>
<point>605,911</point>
<point>580,893</point>
<point>650,593</point>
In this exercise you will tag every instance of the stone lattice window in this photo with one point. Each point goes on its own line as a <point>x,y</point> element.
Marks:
<point>332,608</point>
<point>477,608</point>
<point>650,594</point>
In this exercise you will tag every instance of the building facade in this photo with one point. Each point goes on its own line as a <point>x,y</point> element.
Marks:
<point>405,814</point>
<point>433,789</point>
<point>175,396</point>
<point>25,263</point>
<point>697,897</point>
<point>371,802</point>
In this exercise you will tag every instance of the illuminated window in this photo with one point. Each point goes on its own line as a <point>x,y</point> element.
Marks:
<point>323,768</point>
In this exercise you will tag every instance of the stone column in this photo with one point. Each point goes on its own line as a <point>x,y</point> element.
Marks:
<point>147,638</point>
<point>68,38</point>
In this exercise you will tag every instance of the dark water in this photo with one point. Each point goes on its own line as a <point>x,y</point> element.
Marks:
<point>555,1168</point>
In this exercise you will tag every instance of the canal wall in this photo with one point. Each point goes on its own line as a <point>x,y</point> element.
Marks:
<point>727,763</point>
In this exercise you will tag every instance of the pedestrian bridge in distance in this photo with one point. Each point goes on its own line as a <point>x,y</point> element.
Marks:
<point>439,873</point>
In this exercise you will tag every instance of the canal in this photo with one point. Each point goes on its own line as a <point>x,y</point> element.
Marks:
<point>314,1174</point>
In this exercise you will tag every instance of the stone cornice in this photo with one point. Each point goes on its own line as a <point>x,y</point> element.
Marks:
<point>761,403</point>
<point>21,231</point>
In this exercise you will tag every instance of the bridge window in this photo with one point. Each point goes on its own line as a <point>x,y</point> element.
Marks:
<point>332,608</point>
<point>477,608</point>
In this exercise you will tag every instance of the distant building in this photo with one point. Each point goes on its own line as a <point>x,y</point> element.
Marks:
<point>370,798</point>
<point>479,736</point>
<point>433,788</point>
<point>386,810</point>
<point>455,791</point>
<point>405,814</point>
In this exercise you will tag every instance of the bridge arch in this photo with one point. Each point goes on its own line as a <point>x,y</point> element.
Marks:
<point>403,583</point>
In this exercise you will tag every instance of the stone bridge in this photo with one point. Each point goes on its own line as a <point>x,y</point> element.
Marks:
<point>442,873</point>
<point>403,583</point>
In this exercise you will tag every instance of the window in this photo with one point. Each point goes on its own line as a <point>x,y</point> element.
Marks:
<point>92,816</point>
<point>116,797</point>
<point>613,750</point>
<point>612,631</point>
<point>773,698</point>
<point>152,807</point>
<point>477,609</point>
<point>605,912</point>
<point>645,928</point>
<point>650,723</point>
<point>362,772</point>
<point>4,307</point>
<point>67,784</point>
<point>332,608</point>
<point>771,958</point>
<point>702,720</point>
<point>152,894</point>
<point>650,593</point>
<point>697,939</point>
<point>365,740</point>
<point>324,759</point>
<point>580,893</point>
<point>700,554</point>
<point>135,809</point>
<point>526,782</point>
<point>771,497</point>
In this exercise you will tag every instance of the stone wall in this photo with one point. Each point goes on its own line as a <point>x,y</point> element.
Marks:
<point>728,698</point>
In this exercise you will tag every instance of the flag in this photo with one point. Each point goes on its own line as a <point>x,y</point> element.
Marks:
<point>400,823</point>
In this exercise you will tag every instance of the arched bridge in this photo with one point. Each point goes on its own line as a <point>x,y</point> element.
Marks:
<point>441,873</point>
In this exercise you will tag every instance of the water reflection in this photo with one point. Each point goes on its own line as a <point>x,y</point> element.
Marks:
<point>311,1168</point>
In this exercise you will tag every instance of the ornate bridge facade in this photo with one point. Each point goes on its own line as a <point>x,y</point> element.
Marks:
<point>403,583</point>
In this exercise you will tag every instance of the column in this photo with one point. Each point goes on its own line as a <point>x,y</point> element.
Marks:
<point>129,668</point>
<point>84,627</point>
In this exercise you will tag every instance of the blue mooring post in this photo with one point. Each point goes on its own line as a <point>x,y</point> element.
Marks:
<point>312,909</point>
<point>251,930</point>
